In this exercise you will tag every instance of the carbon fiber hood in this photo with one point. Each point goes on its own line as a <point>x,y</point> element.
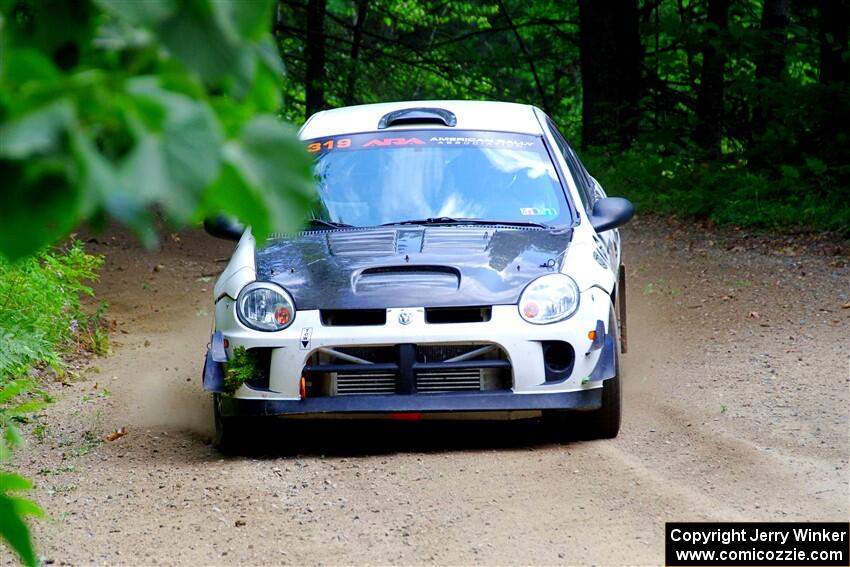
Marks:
<point>440,266</point>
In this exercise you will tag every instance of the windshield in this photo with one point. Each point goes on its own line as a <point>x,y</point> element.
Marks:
<point>423,175</point>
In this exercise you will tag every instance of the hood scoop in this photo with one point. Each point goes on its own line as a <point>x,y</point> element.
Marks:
<point>384,279</point>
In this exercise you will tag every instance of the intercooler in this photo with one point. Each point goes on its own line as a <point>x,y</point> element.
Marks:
<point>411,369</point>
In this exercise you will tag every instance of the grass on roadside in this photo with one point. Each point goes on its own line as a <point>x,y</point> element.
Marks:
<point>41,320</point>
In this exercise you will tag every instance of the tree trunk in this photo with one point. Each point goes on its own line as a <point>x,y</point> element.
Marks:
<point>314,74</point>
<point>834,122</point>
<point>609,42</point>
<point>834,23</point>
<point>770,61</point>
<point>709,109</point>
<point>770,58</point>
<point>354,54</point>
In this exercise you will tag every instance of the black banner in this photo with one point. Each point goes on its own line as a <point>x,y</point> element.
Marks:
<point>816,544</point>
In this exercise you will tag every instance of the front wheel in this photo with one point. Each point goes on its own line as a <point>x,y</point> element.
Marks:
<point>229,435</point>
<point>602,423</point>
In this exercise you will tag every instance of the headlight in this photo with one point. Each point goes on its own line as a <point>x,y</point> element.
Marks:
<point>265,306</point>
<point>548,299</point>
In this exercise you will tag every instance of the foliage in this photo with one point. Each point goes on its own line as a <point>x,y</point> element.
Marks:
<point>112,107</point>
<point>241,367</point>
<point>13,510</point>
<point>41,316</point>
<point>783,121</point>
<point>40,308</point>
<point>725,193</point>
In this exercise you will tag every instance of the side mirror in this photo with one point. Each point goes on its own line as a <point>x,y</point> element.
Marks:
<point>224,227</point>
<point>611,212</point>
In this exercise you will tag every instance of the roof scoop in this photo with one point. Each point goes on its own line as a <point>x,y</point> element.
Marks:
<point>419,115</point>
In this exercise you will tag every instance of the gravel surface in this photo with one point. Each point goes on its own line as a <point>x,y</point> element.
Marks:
<point>737,390</point>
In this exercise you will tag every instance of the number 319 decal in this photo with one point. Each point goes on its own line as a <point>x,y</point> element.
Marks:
<point>329,145</point>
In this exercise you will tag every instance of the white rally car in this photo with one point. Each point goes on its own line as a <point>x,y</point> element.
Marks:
<point>460,260</point>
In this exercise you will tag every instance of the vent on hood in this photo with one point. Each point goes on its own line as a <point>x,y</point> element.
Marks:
<point>362,243</point>
<point>456,239</point>
<point>426,277</point>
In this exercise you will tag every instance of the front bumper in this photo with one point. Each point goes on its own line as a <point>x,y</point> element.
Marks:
<point>522,343</point>
<point>581,400</point>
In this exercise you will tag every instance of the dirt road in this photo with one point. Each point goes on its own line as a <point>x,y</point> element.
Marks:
<point>737,390</point>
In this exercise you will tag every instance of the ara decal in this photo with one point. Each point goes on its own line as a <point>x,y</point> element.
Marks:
<point>394,142</point>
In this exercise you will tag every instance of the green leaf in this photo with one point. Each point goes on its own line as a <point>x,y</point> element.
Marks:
<point>13,528</point>
<point>789,171</point>
<point>248,20</point>
<point>817,166</point>
<point>61,30</point>
<point>195,36</point>
<point>36,132</point>
<point>12,436</point>
<point>174,166</point>
<point>11,481</point>
<point>21,65</point>
<point>140,12</point>
<point>40,204</point>
<point>14,388</point>
<point>27,407</point>
<point>233,195</point>
<point>271,159</point>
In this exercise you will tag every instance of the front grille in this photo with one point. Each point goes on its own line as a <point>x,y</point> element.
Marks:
<point>408,369</point>
<point>457,314</point>
<point>353,317</point>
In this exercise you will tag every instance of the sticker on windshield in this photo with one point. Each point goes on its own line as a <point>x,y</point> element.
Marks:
<point>424,138</point>
<point>538,212</point>
<point>480,141</point>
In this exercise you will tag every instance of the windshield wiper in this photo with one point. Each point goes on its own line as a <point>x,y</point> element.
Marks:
<point>330,224</point>
<point>452,220</point>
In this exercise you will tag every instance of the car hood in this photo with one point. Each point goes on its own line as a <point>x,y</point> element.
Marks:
<point>440,266</point>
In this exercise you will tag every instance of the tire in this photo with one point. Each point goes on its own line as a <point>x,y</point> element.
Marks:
<point>228,437</point>
<point>602,423</point>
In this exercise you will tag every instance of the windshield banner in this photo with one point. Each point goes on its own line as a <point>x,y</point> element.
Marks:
<point>423,138</point>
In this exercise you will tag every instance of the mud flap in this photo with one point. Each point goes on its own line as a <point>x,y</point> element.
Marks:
<point>213,377</point>
<point>621,300</point>
<point>606,367</point>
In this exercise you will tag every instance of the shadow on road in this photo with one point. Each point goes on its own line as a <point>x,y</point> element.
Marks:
<point>277,438</point>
